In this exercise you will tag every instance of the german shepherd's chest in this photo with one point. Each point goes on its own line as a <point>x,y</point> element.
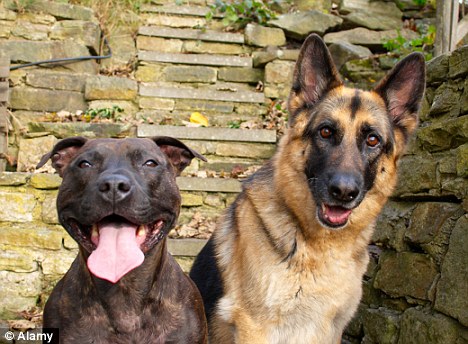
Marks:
<point>310,297</point>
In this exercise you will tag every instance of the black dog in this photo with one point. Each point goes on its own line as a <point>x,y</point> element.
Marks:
<point>118,200</point>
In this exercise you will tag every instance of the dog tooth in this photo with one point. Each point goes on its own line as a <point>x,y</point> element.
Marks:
<point>141,231</point>
<point>94,231</point>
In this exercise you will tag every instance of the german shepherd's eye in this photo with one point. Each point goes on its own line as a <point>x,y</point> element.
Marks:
<point>84,164</point>
<point>150,163</point>
<point>326,132</point>
<point>372,140</point>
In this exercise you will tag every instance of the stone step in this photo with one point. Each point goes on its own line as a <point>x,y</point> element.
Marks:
<point>186,10</point>
<point>209,184</point>
<point>148,90</point>
<point>195,59</point>
<point>202,35</point>
<point>185,247</point>
<point>208,134</point>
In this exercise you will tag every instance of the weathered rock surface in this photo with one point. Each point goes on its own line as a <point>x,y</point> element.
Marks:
<point>17,207</point>
<point>418,326</point>
<point>104,87</point>
<point>381,325</point>
<point>250,75</point>
<point>299,25</point>
<point>184,74</point>
<point>29,287</point>
<point>37,99</point>
<point>57,9</point>
<point>56,80</point>
<point>278,79</point>
<point>343,52</point>
<point>458,62</point>
<point>85,32</point>
<point>32,51</point>
<point>32,150</point>
<point>366,37</point>
<point>90,130</point>
<point>262,36</point>
<point>374,15</point>
<point>444,134</point>
<point>452,287</point>
<point>406,274</point>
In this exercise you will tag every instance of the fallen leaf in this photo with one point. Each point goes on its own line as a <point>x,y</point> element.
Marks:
<point>198,118</point>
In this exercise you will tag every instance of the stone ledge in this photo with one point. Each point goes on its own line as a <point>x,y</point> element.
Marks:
<point>90,130</point>
<point>209,184</point>
<point>185,247</point>
<point>195,59</point>
<point>13,178</point>
<point>40,99</point>
<point>366,37</point>
<point>57,9</point>
<point>45,181</point>
<point>204,94</point>
<point>210,134</point>
<point>186,10</point>
<point>203,35</point>
<point>21,51</point>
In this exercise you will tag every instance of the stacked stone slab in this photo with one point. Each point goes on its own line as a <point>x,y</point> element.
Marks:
<point>183,70</point>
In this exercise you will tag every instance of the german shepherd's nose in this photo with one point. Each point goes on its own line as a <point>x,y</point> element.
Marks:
<point>344,187</point>
<point>114,187</point>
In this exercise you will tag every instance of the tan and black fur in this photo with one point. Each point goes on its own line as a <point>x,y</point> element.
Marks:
<point>286,261</point>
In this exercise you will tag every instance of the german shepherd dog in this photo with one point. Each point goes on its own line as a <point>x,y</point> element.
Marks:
<point>285,263</point>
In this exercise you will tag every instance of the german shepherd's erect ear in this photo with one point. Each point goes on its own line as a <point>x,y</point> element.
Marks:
<point>402,90</point>
<point>314,75</point>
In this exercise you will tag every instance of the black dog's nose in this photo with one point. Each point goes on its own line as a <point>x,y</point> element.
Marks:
<point>114,187</point>
<point>344,187</point>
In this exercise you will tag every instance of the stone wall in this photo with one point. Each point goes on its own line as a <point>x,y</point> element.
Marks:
<point>35,251</point>
<point>416,284</point>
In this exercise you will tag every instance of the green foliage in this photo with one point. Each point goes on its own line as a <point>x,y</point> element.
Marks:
<point>420,2</point>
<point>234,124</point>
<point>22,5</point>
<point>239,13</point>
<point>103,113</point>
<point>400,46</point>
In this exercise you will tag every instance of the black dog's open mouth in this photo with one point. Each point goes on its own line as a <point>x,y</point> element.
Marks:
<point>116,245</point>
<point>333,216</point>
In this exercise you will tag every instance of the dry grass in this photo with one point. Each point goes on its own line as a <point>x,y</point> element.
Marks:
<point>114,15</point>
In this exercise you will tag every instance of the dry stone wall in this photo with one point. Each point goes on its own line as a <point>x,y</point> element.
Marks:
<point>415,287</point>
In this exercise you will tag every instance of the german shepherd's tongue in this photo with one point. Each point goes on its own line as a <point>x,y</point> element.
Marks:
<point>337,215</point>
<point>118,251</point>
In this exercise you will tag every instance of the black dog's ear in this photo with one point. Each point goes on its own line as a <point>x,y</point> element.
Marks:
<point>314,75</point>
<point>402,90</point>
<point>178,153</point>
<point>62,153</point>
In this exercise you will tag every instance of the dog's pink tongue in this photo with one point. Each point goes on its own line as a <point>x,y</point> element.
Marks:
<point>117,252</point>
<point>337,215</point>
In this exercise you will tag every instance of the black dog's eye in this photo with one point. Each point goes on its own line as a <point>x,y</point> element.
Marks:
<point>84,164</point>
<point>151,163</point>
<point>326,132</point>
<point>372,140</point>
